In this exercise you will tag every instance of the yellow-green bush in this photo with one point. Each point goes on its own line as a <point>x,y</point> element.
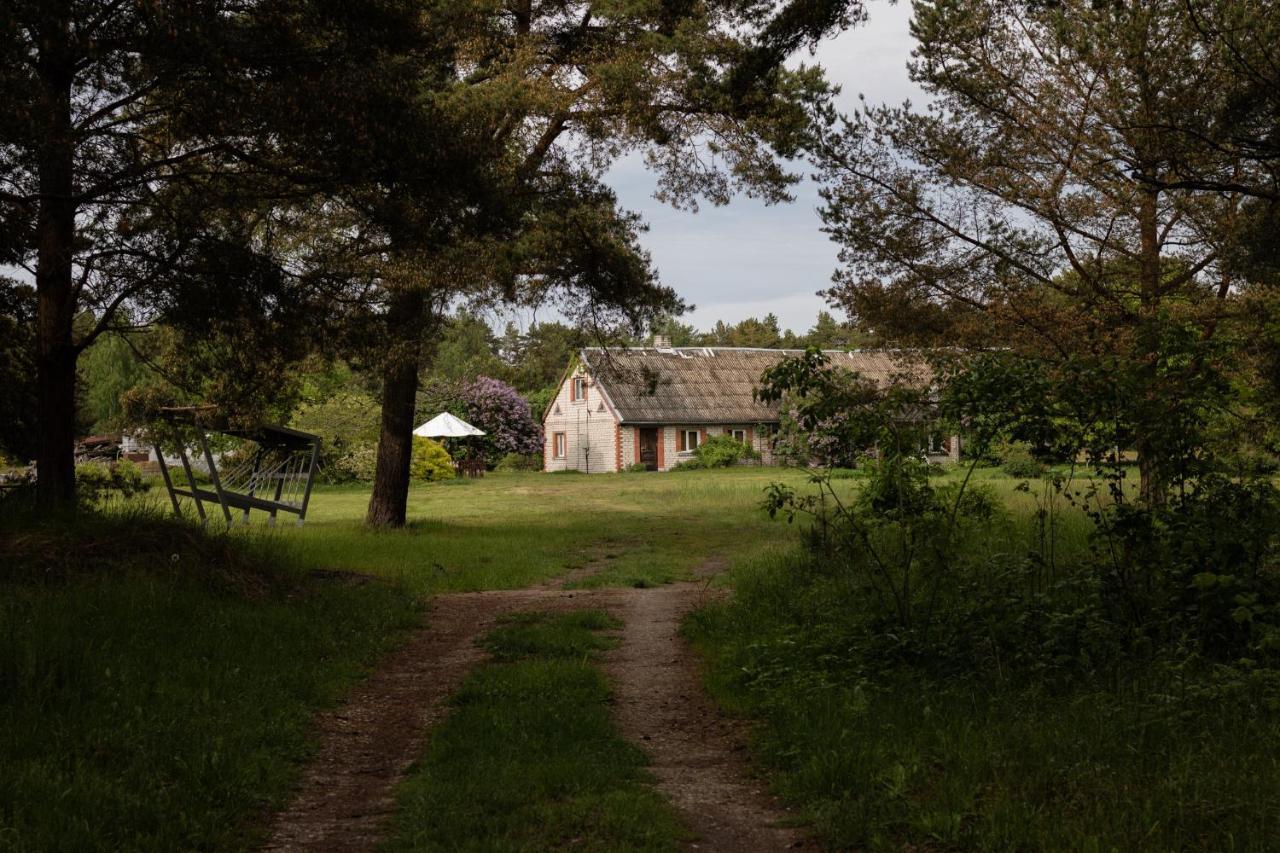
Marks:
<point>430,461</point>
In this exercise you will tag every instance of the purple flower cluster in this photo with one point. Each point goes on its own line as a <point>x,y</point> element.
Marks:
<point>500,410</point>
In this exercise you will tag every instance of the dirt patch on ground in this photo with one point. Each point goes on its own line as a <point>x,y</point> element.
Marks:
<point>369,742</point>
<point>697,754</point>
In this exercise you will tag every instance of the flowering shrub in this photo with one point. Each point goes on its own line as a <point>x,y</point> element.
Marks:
<point>504,415</point>
<point>493,406</point>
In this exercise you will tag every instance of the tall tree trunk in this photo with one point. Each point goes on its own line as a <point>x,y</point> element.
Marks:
<point>390,497</point>
<point>1152,487</point>
<point>55,294</point>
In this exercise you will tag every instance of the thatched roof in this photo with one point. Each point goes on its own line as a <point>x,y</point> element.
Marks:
<point>714,385</point>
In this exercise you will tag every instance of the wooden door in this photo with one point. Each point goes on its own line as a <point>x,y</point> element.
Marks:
<point>649,447</point>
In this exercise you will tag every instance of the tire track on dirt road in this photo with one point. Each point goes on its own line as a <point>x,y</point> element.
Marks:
<point>368,743</point>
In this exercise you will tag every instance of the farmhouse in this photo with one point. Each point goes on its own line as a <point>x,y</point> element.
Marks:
<point>618,407</point>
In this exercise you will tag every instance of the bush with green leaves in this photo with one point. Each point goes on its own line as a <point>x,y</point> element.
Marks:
<point>97,480</point>
<point>430,461</point>
<point>1016,459</point>
<point>520,462</point>
<point>636,468</point>
<point>347,423</point>
<point>721,451</point>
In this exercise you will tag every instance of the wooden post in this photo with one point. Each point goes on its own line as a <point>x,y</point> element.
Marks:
<point>311,476</point>
<point>191,483</point>
<point>168,483</point>
<point>213,475</point>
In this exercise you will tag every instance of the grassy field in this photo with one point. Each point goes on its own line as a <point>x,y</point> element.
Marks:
<point>154,703</point>
<point>156,684</point>
<point>511,530</point>
<point>528,759</point>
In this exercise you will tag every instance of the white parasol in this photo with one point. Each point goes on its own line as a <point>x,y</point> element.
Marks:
<point>445,425</point>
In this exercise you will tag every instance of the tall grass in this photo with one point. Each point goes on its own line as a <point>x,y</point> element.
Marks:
<point>1027,724</point>
<point>157,682</point>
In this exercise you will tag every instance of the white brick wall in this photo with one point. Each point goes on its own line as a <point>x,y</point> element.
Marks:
<point>588,426</point>
<point>628,446</point>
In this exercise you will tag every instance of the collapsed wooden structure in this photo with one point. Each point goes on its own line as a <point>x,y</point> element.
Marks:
<point>273,471</point>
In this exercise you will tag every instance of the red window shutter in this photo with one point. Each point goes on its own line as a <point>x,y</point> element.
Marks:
<point>680,441</point>
<point>573,390</point>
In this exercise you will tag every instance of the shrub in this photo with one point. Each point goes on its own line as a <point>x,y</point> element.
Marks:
<point>1023,468</point>
<point>347,423</point>
<point>1016,459</point>
<point>430,461</point>
<point>95,480</point>
<point>360,463</point>
<point>636,468</point>
<point>721,451</point>
<point>493,406</point>
<point>693,464</point>
<point>520,462</point>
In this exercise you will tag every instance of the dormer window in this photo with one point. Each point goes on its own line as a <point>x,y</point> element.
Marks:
<point>578,389</point>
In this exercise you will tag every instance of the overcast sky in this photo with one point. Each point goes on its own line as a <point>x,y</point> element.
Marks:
<point>749,259</point>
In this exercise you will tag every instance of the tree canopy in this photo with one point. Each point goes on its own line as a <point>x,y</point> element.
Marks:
<point>1042,200</point>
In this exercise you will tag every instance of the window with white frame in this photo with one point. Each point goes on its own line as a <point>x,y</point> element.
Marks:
<point>557,445</point>
<point>579,390</point>
<point>739,435</point>
<point>688,440</point>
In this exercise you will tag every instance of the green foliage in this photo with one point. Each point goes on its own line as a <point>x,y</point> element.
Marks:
<point>108,370</point>
<point>540,400</point>
<point>97,480</point>
<point>467,349</point>
<point>721,451</point>
<point>919,592</point>
<point>346,419</point>
<point>993,752</point>
<point>1016,459</point>
<point>528,756</point>
<point>636,468</point>
<point>358,465</point>
<point>520,462</point>
<point>833,417</point>
<point>430,461</point>
<point>19,433</point>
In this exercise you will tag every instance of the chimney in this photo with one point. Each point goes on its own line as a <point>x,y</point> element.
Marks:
<point>661,342</point>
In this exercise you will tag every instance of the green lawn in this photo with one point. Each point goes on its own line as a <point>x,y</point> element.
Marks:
<point>512,530</point>
<point>148,702</point>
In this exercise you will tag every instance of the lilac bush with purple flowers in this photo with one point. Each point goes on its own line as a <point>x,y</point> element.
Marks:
<point>501,411</point>
<point>490,404</point>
